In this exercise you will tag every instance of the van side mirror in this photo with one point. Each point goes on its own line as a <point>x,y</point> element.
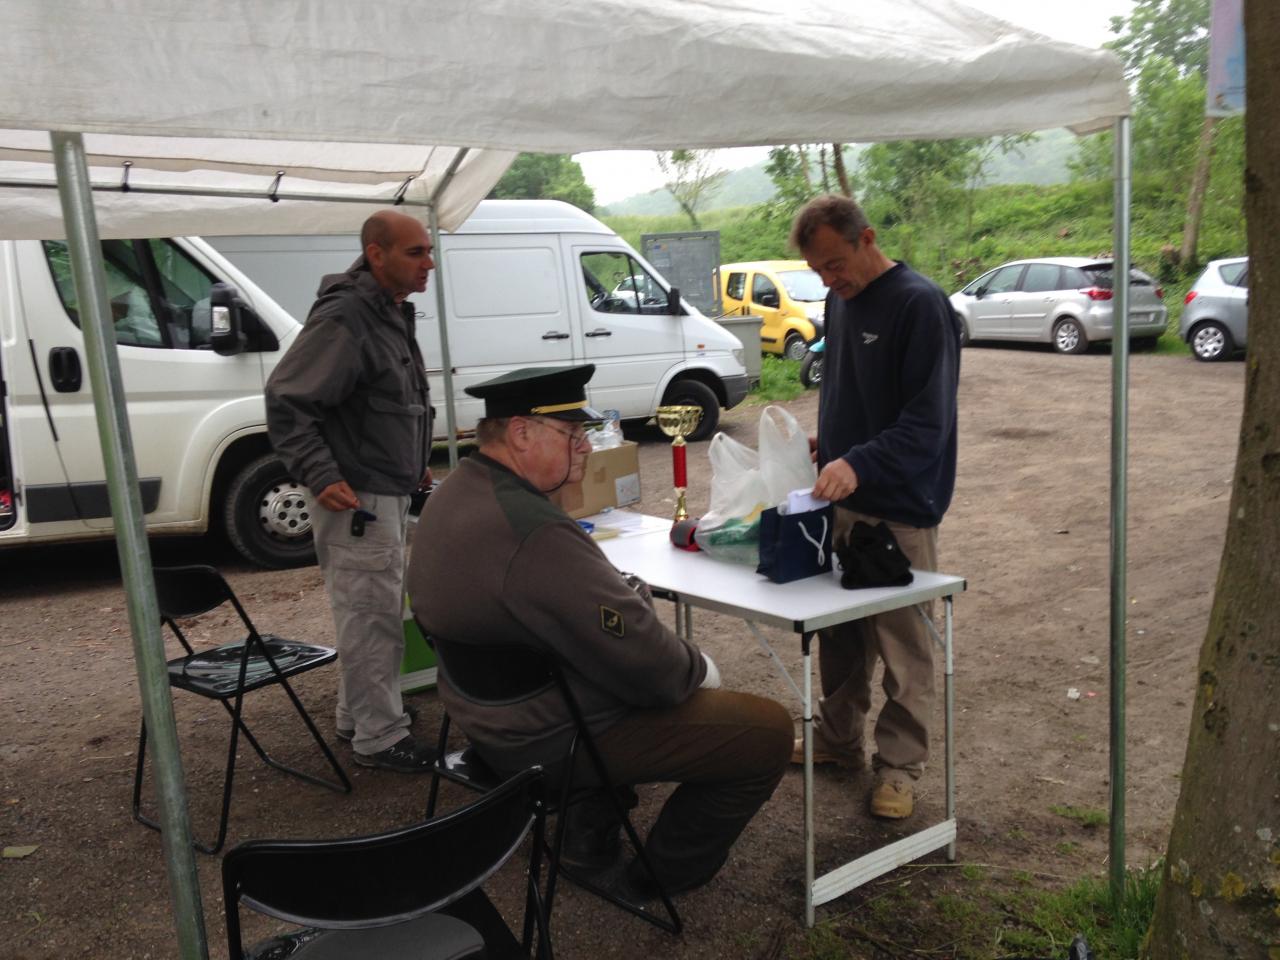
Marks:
<point>226,333</point>
<point>673,302</point>
<point>770,299</point>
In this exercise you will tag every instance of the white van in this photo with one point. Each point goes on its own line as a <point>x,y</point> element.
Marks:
<point>194,399</point>
<point>532,283</point>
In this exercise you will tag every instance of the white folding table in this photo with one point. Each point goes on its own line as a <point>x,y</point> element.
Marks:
<point>804,606</point>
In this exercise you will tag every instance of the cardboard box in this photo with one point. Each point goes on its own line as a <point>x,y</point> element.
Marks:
<point>612,480</point>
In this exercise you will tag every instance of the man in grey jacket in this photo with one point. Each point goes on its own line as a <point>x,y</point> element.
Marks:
<point>348,413</point>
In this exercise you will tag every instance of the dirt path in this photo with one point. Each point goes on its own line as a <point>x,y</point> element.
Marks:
<point>1029,529</point>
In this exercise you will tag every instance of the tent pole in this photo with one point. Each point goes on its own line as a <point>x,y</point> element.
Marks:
<point>131,538</point>
<point>1119,492</point>
<point>446,363</point>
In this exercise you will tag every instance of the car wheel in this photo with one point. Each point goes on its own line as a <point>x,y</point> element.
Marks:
<point>811,369</point>
<point>963,327</point>
<point>1068,336</point>
<point>268,515</point>
<point>694,393</point>
<point>794,348</point>
<point>1210,341</point>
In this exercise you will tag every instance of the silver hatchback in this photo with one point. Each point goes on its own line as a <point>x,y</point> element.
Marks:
<point>1215,317</point>
<point>1065,301</point>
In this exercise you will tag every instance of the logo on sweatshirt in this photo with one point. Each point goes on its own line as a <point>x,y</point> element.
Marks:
<point>611,621</point>
<point>869,338</point>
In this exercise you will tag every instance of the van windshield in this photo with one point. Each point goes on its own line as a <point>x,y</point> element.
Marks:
<point>803,285</point>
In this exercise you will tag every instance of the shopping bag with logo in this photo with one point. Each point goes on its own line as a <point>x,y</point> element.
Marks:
<point>872,558</point>
<point>794,545</point>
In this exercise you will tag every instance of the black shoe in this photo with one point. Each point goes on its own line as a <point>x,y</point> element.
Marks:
<point>617,882</point>
<point>410,711</point>
<point>405,756</point>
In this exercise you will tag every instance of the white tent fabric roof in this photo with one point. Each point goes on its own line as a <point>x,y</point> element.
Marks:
<point>351,98</point>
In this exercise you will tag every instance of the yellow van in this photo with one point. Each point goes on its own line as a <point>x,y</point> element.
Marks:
<point>785,294</point>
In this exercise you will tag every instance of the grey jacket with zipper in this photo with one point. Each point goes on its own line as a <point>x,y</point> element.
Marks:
<point>349,399</point>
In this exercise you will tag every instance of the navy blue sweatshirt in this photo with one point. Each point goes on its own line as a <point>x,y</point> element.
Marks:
<point>887,402</point>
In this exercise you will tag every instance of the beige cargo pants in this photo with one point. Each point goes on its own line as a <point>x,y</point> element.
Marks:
<point>847,658</point>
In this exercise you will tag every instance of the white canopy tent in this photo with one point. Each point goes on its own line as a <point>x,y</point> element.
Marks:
<point>195,116</point>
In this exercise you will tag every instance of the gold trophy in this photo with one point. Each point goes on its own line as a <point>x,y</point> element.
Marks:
<point>676,421</point>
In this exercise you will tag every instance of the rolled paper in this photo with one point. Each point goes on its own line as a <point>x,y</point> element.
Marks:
<point>678,464</point>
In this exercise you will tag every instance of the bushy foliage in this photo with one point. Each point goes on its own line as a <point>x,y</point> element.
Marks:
<point>545,176</point>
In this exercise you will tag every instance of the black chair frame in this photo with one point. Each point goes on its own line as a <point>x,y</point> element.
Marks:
<point>379,881</point>
<point>177,599</point>
<point>465,768</point>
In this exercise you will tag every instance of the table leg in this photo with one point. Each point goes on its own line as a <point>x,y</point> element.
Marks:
<point>805,641</point>
<point>949,681</point>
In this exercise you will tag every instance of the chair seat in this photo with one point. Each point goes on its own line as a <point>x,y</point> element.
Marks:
<point>216,672</point>
<point>433,937</point>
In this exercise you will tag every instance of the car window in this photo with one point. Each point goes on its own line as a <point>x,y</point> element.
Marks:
<point>175,315</point>
<point>736,286</point>
<point>1102,275</point>
<point>1005,279</point>
<point>1234,273</point>
<point>978,284</point>
<point>764,291</point>
<point>803,285</point>
<point>1073,278</point>
<point>1041,277</point>
<point>616,283</point>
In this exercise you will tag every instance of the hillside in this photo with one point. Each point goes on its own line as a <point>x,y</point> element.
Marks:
<point>1043,161</point>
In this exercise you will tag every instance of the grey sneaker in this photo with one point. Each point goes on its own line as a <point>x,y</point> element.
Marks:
<point>404,756</point>
<point>348,735</point>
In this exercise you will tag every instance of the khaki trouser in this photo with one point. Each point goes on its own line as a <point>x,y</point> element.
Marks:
<point>364,577</point>
<point>726,750</point>
<point>847,658</point>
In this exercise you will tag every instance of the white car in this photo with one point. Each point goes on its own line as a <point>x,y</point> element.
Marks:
<point>1065,301</point>
<point>1215,318</point>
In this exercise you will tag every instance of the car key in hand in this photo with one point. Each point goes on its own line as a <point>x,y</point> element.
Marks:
<point>358,519</point>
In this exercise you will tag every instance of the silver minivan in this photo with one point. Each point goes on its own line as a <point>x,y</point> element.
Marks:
<point>1215,317</point>
<point>1065,301</point>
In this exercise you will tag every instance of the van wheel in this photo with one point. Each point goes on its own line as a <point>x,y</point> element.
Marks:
<point>695,394</point>
<point>268,515</point>
<point>794,348</point>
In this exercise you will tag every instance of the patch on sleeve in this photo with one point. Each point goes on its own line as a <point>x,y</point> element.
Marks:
<point>611,622</point>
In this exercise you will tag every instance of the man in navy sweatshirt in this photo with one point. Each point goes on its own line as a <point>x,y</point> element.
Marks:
<point>886,450</point>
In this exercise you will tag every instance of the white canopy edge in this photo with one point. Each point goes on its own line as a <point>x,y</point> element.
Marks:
<point>348,94</point>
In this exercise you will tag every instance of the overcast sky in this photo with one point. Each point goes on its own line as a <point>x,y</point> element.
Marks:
<point>617,174</point>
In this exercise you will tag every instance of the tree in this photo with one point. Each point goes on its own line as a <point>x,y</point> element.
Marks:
<point>545,176</point>
<point>1221,885</point>
<point>690,179</point>
<point>1171,36</point>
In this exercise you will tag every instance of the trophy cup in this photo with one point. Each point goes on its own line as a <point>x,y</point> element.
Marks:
<point>676,421</point>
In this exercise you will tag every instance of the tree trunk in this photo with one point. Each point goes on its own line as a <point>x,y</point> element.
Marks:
<point>804,166</point>
<point>1220,895</point>
<point>822,165</point>
<point>1195,198</point>
<point>842,175</point>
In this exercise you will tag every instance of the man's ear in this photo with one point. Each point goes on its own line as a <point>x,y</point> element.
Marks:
<point>375,255</point>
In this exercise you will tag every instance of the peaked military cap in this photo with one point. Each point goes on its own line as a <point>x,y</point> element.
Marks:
<point>558,392</point>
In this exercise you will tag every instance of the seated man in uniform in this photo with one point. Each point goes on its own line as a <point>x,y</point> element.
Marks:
<point>496,561</point>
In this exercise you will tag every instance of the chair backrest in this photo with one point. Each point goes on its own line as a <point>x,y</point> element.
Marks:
<point>190,591</point>
<point>495,673</point>
<point>385,878</point>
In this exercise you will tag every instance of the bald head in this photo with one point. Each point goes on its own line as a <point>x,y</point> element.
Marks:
<point>398,251</point>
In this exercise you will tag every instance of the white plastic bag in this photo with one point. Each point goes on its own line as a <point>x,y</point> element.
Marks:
<point>744,483</point>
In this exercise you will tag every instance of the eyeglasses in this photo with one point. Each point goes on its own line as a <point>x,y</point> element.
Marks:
<point>577,435</point>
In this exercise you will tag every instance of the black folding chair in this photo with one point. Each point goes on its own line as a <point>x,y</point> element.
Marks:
<point>226,673</point>
<point>410,894</point>
<point>473,670</point>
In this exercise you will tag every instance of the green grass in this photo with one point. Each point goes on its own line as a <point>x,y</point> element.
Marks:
<point>1085,816</point>
<point>779,381</point>
<point>931,915</point>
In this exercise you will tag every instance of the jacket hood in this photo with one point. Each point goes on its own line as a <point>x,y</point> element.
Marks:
<point>356,277</point>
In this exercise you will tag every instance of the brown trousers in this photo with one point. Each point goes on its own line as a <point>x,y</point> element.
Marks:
<point>847,659</point>
<point>726,750</point>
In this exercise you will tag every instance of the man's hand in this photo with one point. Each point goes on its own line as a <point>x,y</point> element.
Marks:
<point>426,480</point>
<point>836,481</point>
<point>337,497</point>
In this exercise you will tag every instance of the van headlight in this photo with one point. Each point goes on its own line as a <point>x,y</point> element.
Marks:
<point>738,355</point>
